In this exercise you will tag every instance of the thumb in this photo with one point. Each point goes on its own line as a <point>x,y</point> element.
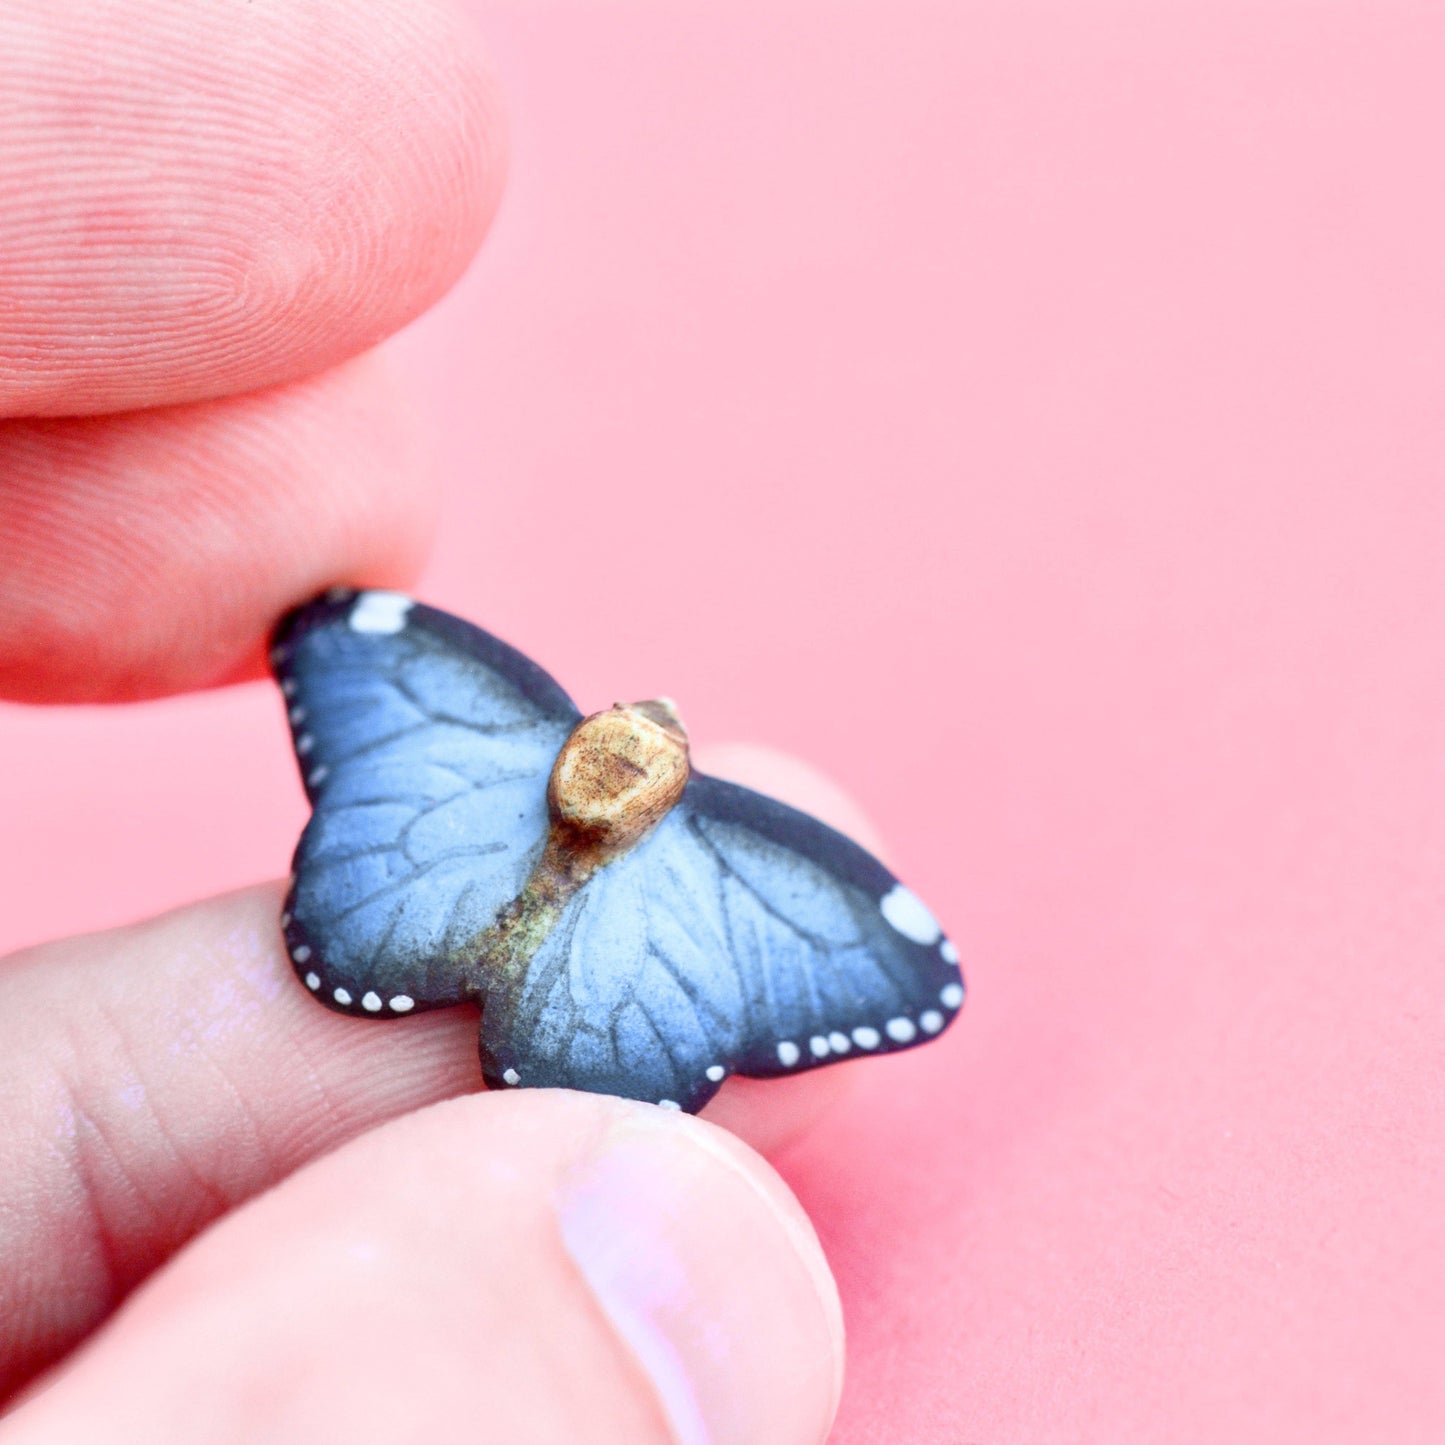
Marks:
<point>531,1267</point>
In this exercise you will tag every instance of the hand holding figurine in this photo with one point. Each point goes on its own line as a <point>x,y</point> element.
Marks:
<point>229,1216</point>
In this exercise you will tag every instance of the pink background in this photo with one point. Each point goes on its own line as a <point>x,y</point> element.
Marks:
<point>1032,414</point>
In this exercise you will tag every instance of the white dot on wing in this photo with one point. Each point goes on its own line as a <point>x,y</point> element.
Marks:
<point>930,1021</point>
<point>341,995</point>
<point>818,1046</point>
<point>716,1073</point>
<point>304,743</point>
<point>313,981</point>
<point>951,995</point>
<point>317,775</point>
<point>402,1003</point>
<point>948,952</point>
<point>906,912</point>
<point>288,687</point>
<point>840,1042</point>
<point>900,1030</point>
<point>285,920</point>
<point>788,1053</point>
<point>301,953</point>
<point>380,612</point>
<point>867,1038</point>
<point>297,715</point>
<point>511,1076</point>
<point>371,1002</point>
<point>668,1104</point>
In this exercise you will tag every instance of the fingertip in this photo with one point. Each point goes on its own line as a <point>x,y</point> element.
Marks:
<point>753,1271</point>
<point>250,194</point>
<point>537,1265</point>
<point>769,1115</point>
<point>152,552</point>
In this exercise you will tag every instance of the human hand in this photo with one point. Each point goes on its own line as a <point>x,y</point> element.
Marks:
<point>205,217</point>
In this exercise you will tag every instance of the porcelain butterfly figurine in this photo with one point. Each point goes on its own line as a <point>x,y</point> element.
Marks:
<point>628,926</point>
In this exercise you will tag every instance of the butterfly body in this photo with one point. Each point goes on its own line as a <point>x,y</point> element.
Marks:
<point>628,926</point>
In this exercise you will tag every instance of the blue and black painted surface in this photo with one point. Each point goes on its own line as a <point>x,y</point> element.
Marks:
<point>735,936</point>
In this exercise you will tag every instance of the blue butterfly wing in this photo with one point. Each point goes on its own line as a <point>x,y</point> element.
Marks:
<point>840,957</point>
<point>425,745</point>
<point>742,936</point>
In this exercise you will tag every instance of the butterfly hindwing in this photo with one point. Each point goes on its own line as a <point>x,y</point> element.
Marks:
<point>742,936</point>
<point>425,745</point>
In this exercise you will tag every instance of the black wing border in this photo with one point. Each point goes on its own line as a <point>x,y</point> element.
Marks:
<point>534,682</point>
<point>848,861</point>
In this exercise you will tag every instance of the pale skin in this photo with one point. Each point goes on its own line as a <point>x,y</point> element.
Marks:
<point>225,1213</point>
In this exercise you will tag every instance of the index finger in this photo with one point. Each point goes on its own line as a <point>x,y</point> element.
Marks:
<point>202,200</point>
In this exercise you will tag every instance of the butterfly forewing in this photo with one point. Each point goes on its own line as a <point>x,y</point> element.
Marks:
<point>425,745</point>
